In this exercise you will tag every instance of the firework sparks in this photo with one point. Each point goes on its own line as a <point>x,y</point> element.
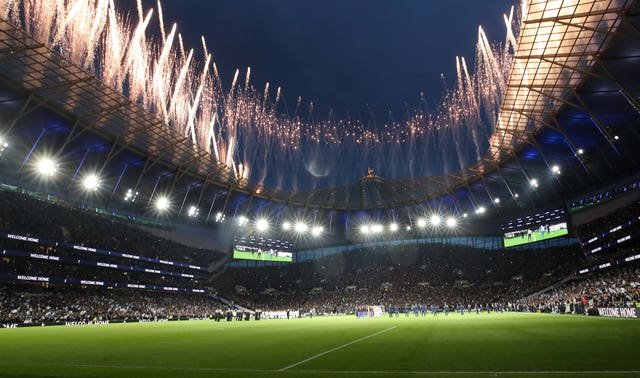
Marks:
<point>247,129</point>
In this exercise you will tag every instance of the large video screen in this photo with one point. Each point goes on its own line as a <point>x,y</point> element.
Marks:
<point>262,249</point>
<point>535,227</point>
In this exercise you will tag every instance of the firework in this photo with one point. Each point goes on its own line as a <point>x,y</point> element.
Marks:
<point>248,130</point>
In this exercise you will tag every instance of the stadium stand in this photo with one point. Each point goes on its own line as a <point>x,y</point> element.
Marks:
<point>613,288</point>
<point>24,215</point>
<point>431,275</point>
<point>626,216</point>
<point>28,303</point>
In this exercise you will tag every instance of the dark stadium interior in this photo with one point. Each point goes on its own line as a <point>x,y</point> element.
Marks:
<point>408,244</point>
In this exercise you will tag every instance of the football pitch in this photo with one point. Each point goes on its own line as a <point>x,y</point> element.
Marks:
<point>495,345</point>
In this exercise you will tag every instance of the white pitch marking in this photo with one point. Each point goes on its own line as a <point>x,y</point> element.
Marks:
<point>336,348</point>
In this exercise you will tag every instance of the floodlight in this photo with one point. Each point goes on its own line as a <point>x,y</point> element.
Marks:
<point>496,200</point>
<point>376,228</point>
<point>364,229</point>
<point>422,223</point>
<point>480,210</point>
<point>616,137</point>
<point>451,222</point>
<point>162,203</point>
<point>556,169</point>
<point>301,227</point>
<point>464,215</point>
<point>393,227</point>
<point>317,230</point>
<point>131,195</point>
<point>193,212</point>
<point>47,167</point>
<point>286,226</point>
<point>516,195</point>
<point>262,225</point>
<point>219,217</point>
<point>91,182</point>
<point>534,183</point>
<point>580,151</point>
<point>435,220</point>
<point>242,220</point>
<point>3,145</point>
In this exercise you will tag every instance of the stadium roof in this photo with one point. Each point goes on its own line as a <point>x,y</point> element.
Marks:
<point>571,106</point>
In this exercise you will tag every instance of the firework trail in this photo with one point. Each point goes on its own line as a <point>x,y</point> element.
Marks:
<point>246,129</point>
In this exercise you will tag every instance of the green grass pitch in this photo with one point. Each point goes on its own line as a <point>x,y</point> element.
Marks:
<point>263,256</point>
<point>510,345</point>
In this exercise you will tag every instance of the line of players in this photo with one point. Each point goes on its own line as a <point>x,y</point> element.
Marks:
<point>417,310</point>
<point>238,315</point>
<point>422,310</point>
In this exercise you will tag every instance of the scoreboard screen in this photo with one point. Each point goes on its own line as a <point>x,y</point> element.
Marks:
<point>262,249</point>
<point>535,227</point>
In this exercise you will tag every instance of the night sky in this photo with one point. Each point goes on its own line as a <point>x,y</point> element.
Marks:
<point>350,55</point>
<point>361,58</point>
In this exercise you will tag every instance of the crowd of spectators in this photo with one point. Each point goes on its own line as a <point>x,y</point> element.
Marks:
<point>30,303</point>
<point>606,223</point>
<point>401,276</point>
<point>430,275</point>
<point>46,268</point>
<point>35,303</point>
<point>613,288</point>
<point>25,215</point>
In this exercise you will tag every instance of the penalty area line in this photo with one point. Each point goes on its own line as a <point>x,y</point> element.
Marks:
<point>336,348</point>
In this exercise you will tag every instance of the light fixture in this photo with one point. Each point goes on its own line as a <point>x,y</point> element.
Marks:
<point>47,167</point>
<point>130,195</point>
<point>301,227</point>
<point>3,145</point>
<point>451,222</point>
<point>91,182</point>
<point>162,203</point>
<point>262,225</point>
<point>193,212</point>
